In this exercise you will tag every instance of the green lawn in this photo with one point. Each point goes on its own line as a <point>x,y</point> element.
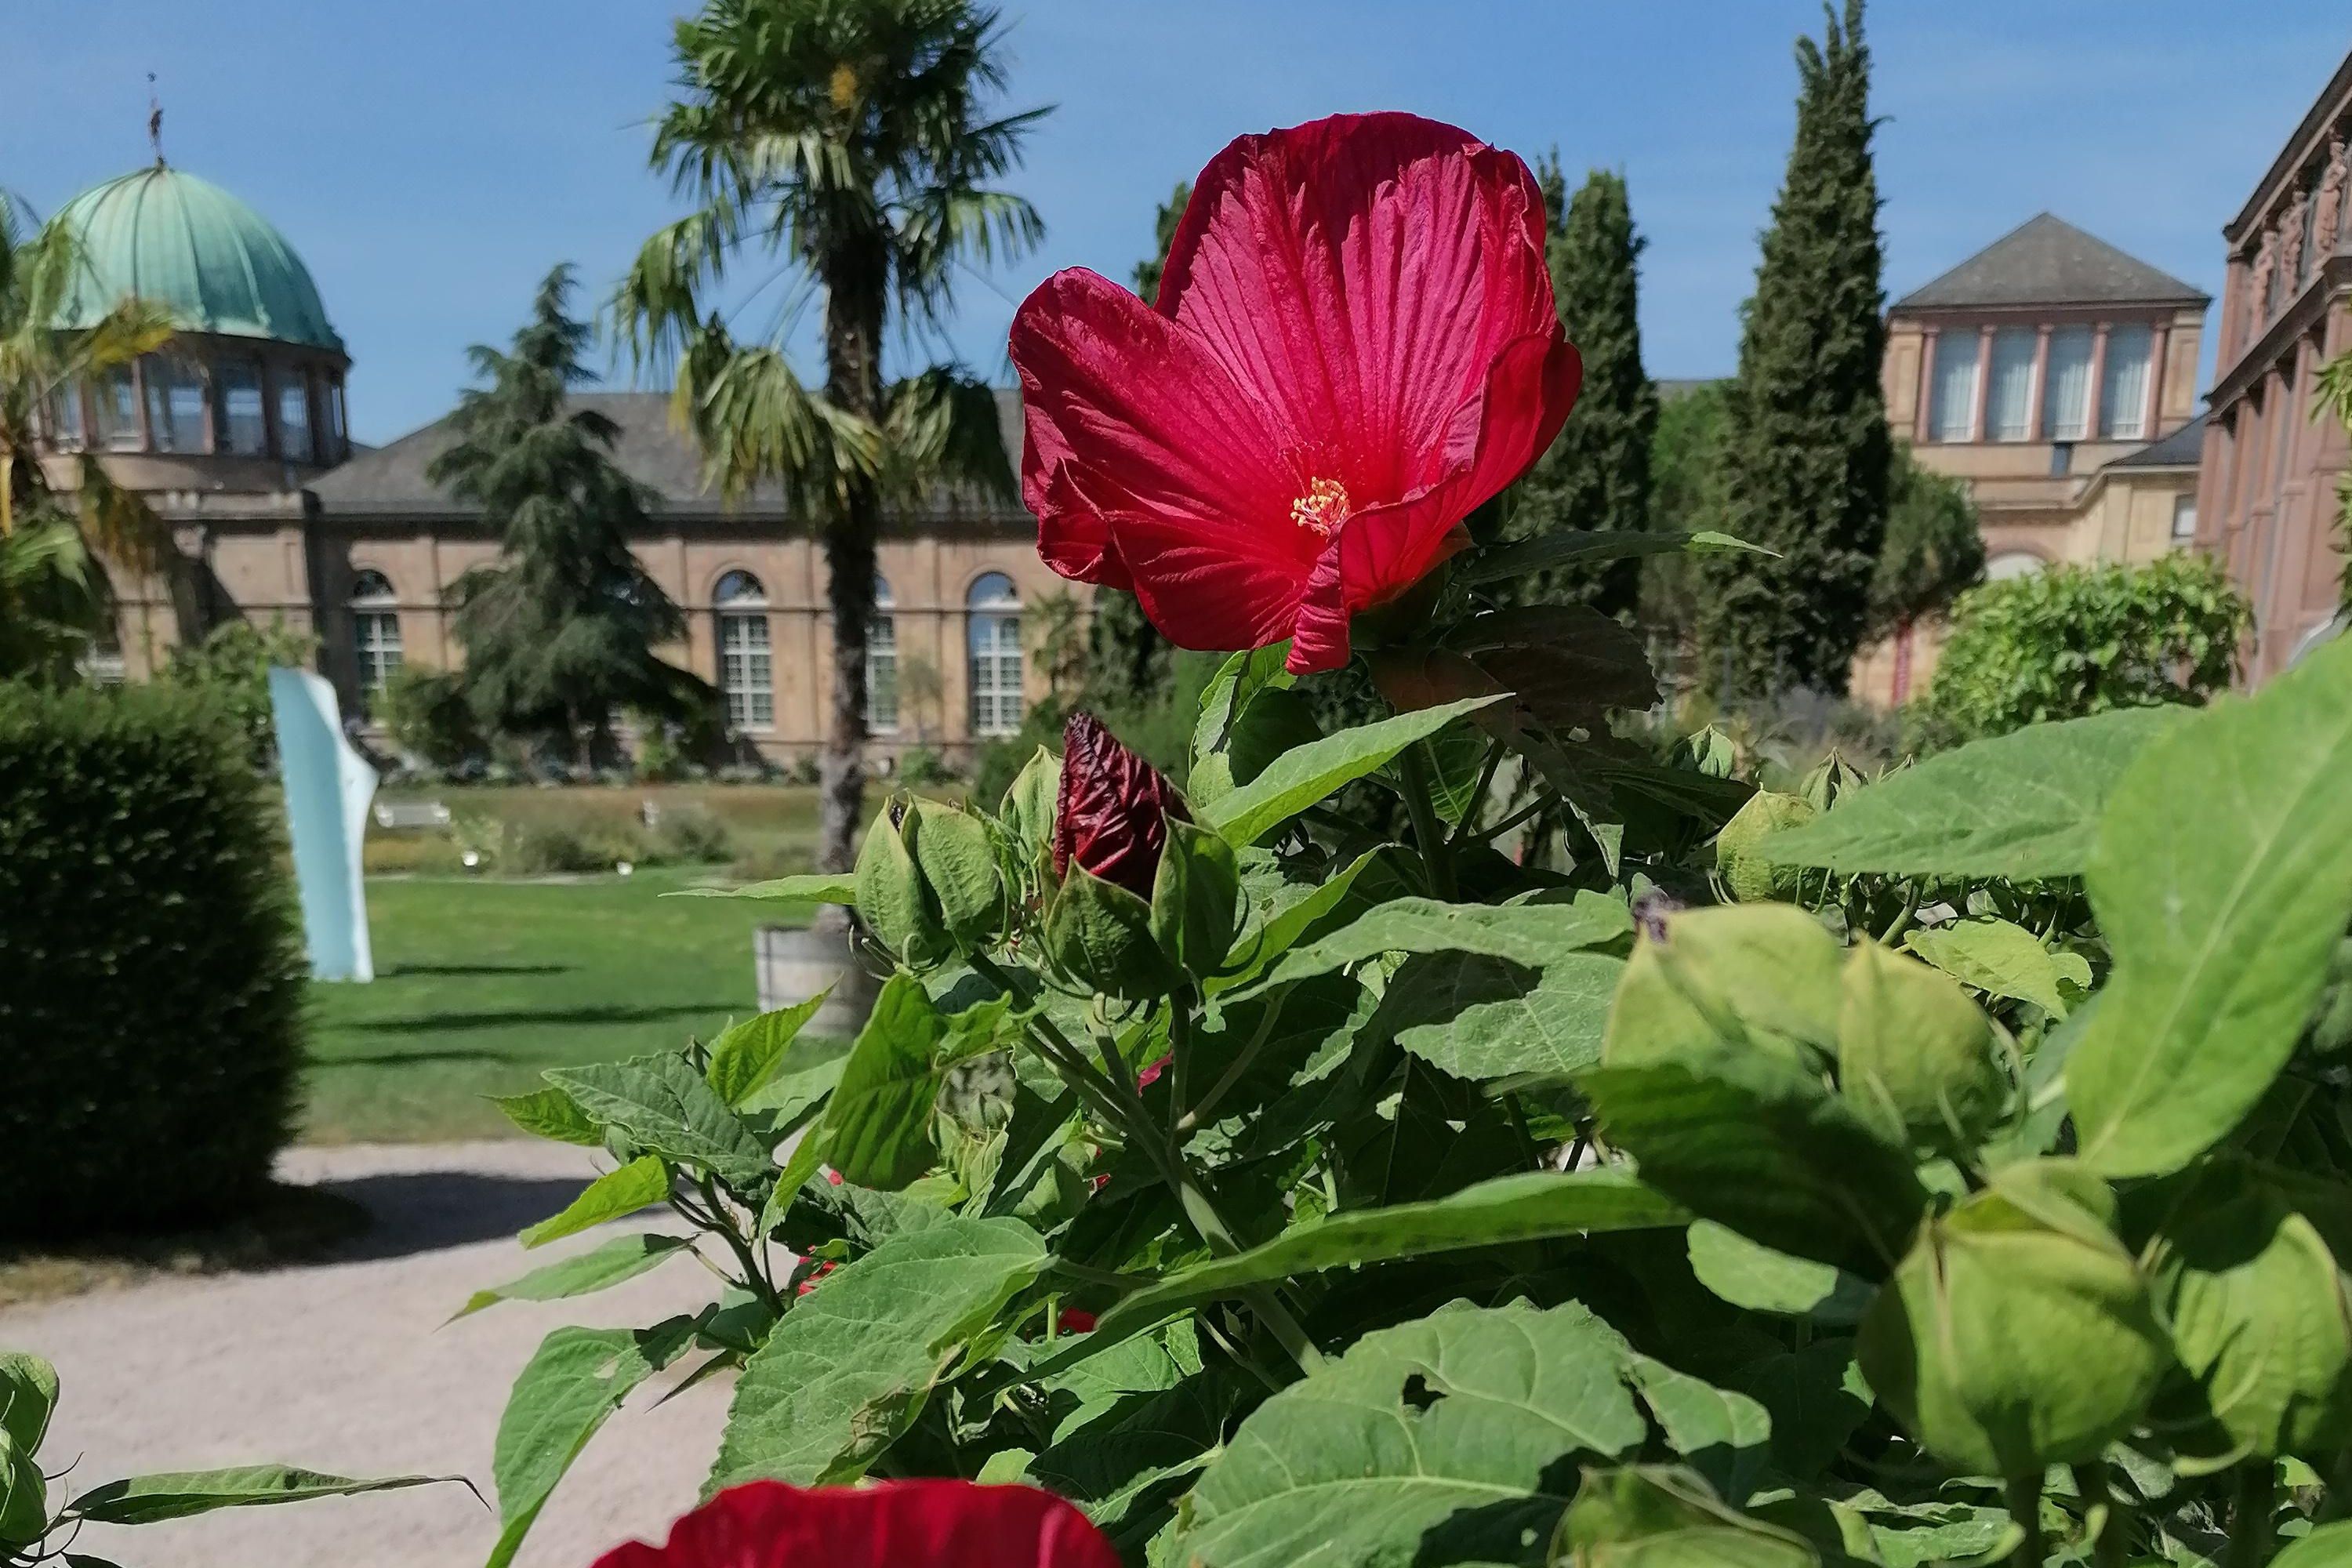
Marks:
<point>481,983</point>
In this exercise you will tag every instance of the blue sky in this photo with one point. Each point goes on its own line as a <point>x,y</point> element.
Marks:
<point>431,159</point>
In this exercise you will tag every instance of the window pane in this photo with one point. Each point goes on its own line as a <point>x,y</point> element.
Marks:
<point>246,432</point>
<point>378,636</point>
<point>65,416</point>
<point>2008,408</point>
<point>118,410</point>
<point>996,704</point>
<point>2066,406</point>
<point>293,418</point>
<point>2184,518</point>
<point>2123,395</point>
<point>882,675</point>
<point>745,672</point>
<point>175,407</point>
<point>1952,416</point>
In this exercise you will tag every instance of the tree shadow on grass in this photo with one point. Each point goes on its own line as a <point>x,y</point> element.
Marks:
<point>436,1023</point>
<point>408,1058</point>
<point>400,970</point>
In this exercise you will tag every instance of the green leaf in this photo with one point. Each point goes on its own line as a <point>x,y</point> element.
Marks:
<point>808,892</point>
<point>744,1057</point>
<point>574,1381</point>
<point>2223,882</point>
<point>23,1499</point>
<point>1102,933</point>
<point>150,1500</point>
<point>1291,918</point>
<point>1196,900</point>
<point>851,1365</point>
<point>891,898</point>
<point>1032,801</point>
<point>1761,977</point>
<point>665,1107</point>
<point>1312,773</point>
<point>877,1128</point>
<point>803,1082</point>
<point>2003,960</point>
<point>1560,546</point>
<point>1530,1207</point>
<point>1231,692</point>
<point>28,1396</point>
<point>623,1257</point>
<point>1748,1274</point>
<point>1722,1434</point>
<point>640,1183</point>
<point>2329,1546</point>
<point>551,1113</point>
<point>1564,664</point>
<point>952,850</point>
<point>1817,1399</point>
<point>1445,1440</point>
<point>1530,934</point>
<point>1915,1054</point>
<point>1483,1017</point>
<point>1660,1517</point>
<point>1759,1145</point>
<point>2020,805</point>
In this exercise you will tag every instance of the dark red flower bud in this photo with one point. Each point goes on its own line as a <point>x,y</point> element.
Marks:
<point>1111,816</point>
<point>1075,1321</point>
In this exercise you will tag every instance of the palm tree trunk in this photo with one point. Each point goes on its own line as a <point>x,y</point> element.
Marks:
<point>854,280</point>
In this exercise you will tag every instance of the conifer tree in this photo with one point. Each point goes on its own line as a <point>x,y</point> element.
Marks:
<point>1597,475</point>
<point>1806,448</point>
<point>561,630</point>
<point>1132,659</point>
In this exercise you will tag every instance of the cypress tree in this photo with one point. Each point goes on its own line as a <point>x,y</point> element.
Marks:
<point>1806,449</point>
<point>562,628</point>
<point>1131,660</point>
<point>1596,476</point>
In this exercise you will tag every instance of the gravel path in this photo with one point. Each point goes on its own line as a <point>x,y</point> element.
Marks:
<point>344,1367</point>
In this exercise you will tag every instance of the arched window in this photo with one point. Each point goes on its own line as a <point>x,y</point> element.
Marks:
<point>746,673</point>
<point>2013,563</point>
<point>882,662</point>
<point>994,613</point>
<point>375,631</point>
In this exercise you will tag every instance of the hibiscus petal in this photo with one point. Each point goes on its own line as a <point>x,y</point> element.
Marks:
<point>1201,595</point>
<point>1125,417</point>
<point>1362,272</point>
<point>894,1524</point>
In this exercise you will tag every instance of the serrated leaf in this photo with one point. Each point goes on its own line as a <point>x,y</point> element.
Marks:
<point>640,1183</point>
<point>1722,1434</point>
<point>853,1362</point>
<point>573,1382</point>
<point>1530,934</point>
<point>1566,665</point>
<point>1759,1145</point>
<point>746,1054</point>
<point>1310,774</point>
<point>1483,1017</point>
<point>2223,882</point>
<point>28,1397</point>
<point>807,891</point>
<point>877,1128</point>
<point>1655,1515</point>
<point>623,1257</point>
<point>180,1494</point>
<point>1445,1440</point>
<point>2003,960</point>
<point>2020,805</point>
<point>1231,692</point>
<point>1530,1207</point>
<point>665,1108</point>
<point>1298,912</point>
<point>551,1113</point>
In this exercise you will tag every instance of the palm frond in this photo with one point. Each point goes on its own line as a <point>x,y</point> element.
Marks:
<point>942,426</point>
<point>118,523</point>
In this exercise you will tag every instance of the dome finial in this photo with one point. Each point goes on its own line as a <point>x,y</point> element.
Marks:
<point>154,121</point>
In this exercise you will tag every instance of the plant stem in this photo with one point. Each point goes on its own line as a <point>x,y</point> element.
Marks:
<point>1488,834</point>
<point>1465,829</point>
<point>1428,831</point>
<point>1233,1075</point>
<point>2108,1551</point>
<point>2025,1507</point>
<point>2250,1535</point>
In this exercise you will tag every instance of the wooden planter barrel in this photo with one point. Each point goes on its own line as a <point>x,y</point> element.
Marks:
<point>794,963</point>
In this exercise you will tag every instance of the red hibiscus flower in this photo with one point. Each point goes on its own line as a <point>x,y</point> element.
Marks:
<point>894,1524</point>
<point>1354,345</point>
<point>1111,816</point>
<point>1076,1320</point>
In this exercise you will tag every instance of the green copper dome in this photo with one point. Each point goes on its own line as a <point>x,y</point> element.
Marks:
<point>175,240</point>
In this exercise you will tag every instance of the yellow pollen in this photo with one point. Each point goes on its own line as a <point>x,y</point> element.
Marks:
<point>1322,509</point>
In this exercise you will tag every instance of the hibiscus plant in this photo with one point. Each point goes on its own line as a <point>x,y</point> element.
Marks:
<point>1621,1166</point>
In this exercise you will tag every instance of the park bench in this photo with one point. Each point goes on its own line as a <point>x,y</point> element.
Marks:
<point>397,813</point>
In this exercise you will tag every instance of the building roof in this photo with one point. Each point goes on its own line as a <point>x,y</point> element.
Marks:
<point>2184,448</point>
<point>650,449</point>
<point>2046,260</point>
<point>173,239</point>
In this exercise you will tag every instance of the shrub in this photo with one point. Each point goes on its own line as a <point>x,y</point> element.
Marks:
<point>691,833</point>
<point>923,767</point>
<point>150,977</point>
<point>426,711</point>
<point>233,664</point>
<point>2075,641</point>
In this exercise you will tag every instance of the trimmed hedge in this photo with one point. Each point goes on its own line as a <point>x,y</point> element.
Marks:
<point>151,966</point>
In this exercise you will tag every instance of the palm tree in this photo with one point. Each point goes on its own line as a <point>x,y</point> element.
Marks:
<point>850,147</point>
<point>52,598</point>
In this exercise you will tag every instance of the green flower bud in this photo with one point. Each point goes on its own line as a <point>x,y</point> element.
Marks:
<point>958,863</point>
<point>1761,975</point>
<point>2016,1334</point>
<point>1101,933</point>
<point>891,896</point>
<point>24,1496</point>
<point>1752,878</point>
<point>1196,900</point>
<point>1915,1053</point>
